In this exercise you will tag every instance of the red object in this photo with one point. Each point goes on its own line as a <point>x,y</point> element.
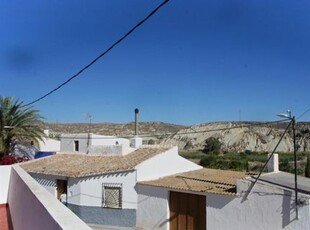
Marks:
<point>5,219</point>
<point>8,160</point>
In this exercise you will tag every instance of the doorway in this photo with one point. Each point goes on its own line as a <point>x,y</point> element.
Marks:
<point>187,211</point>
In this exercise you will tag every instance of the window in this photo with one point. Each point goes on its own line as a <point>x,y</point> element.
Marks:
<point>76,146</point>
<point>112,195</point>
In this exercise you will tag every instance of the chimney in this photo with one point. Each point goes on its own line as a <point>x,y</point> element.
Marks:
<point>136,141</point>
<point>273,164</point>
<point>136,122</point>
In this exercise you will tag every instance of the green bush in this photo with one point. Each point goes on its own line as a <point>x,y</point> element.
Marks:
<point>213,145</point>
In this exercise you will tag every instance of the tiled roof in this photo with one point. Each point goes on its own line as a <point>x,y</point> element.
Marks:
<point>202,180</point>
<point>80,165</point>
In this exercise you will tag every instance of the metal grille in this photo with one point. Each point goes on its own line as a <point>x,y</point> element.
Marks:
<point>112,195</point>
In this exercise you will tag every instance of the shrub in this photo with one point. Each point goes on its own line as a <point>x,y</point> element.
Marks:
<point>212,144</point>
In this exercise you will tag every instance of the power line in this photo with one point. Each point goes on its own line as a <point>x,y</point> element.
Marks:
<point>262,169</point>
<point>300,116</point>
<point>100,56</point>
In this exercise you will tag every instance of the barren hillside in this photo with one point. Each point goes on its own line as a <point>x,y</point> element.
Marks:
<point>145,128</point>
<point>238,137</point>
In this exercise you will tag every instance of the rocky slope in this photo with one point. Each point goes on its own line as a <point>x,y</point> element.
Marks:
<point>238,137</point>
<point>145,128</point>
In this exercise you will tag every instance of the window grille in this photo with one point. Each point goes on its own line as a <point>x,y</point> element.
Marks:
<point>112,195</point>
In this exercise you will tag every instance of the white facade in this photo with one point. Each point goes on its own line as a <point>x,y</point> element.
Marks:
<point>153,207</point>
<point>268,207</point>
<point>5,172</point>
<point>49,145</point>
<point>94,144</point>
<point>164,164</point>
<point>87,191</point>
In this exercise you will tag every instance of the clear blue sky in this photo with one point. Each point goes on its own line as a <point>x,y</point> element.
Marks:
<point>193,62</point>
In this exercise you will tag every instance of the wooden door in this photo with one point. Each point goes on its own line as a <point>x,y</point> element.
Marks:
<point>61,187</point>
<point>187,211</point>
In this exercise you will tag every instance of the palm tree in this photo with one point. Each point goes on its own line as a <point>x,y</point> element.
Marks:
<point>17,124</point>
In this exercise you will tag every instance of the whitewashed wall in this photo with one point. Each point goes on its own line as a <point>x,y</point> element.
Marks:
<point>67,142</point>
<point>5,172</point>
<point>267,207</point>
<point>32,207</point>
<point>49,145</point>
<point>47,181</point>
<point>108,140</point>
<point>74,191</point>
<point>90,190</point>
<point>164,164</point>
<point>153,207</point>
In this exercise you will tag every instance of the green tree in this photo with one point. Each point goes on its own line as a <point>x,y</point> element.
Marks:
<point>17,124</point>
<point>212,145</point>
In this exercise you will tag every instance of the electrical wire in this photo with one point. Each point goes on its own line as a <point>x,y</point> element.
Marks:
<point>301,115</point>
<point>261,171</point>
<point>100,56</point>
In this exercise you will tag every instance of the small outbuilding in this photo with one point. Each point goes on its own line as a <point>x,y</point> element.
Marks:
<point>215,199</point>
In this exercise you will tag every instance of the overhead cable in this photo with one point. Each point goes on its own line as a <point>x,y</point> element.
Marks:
<point>100,56</point>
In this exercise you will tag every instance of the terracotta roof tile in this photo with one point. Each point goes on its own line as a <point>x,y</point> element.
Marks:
<point>80,165</point>
<point>202,180</point>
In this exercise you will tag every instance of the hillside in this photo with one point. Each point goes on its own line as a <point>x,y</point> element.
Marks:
<point>234,136</point>
<point>238,137</point>
<point>145,128</point>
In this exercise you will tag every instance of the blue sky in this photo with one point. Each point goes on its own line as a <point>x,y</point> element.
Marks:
<point>193,62</point>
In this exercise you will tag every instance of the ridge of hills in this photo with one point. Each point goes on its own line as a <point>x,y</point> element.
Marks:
<point>113,129</point>
<point>234,136</point>
<point>241,136</point>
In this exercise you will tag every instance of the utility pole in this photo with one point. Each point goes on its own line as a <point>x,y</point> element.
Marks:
<point>295,165</point>
<point>88,116</point>
<point>293,121</point>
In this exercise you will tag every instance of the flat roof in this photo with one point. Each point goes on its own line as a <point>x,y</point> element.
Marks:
<point>287,180</point>
<point>203,180</point>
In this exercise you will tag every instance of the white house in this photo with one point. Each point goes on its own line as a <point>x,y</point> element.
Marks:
<point>29,150</point>
<point>215,199</point>
<point>96,144</point>
<point>102,190</point>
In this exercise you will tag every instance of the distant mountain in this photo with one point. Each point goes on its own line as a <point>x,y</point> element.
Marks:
<point>238,136</point>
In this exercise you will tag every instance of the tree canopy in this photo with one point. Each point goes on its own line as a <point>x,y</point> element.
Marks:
<point>212,145</point>
<point>17,124</point>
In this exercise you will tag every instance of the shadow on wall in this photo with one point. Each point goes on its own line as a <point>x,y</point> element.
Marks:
<point>218,201</point>
<point>45,182</point>
<point>288,205</point>
<point>102,176</point>
<point>288,208</point>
